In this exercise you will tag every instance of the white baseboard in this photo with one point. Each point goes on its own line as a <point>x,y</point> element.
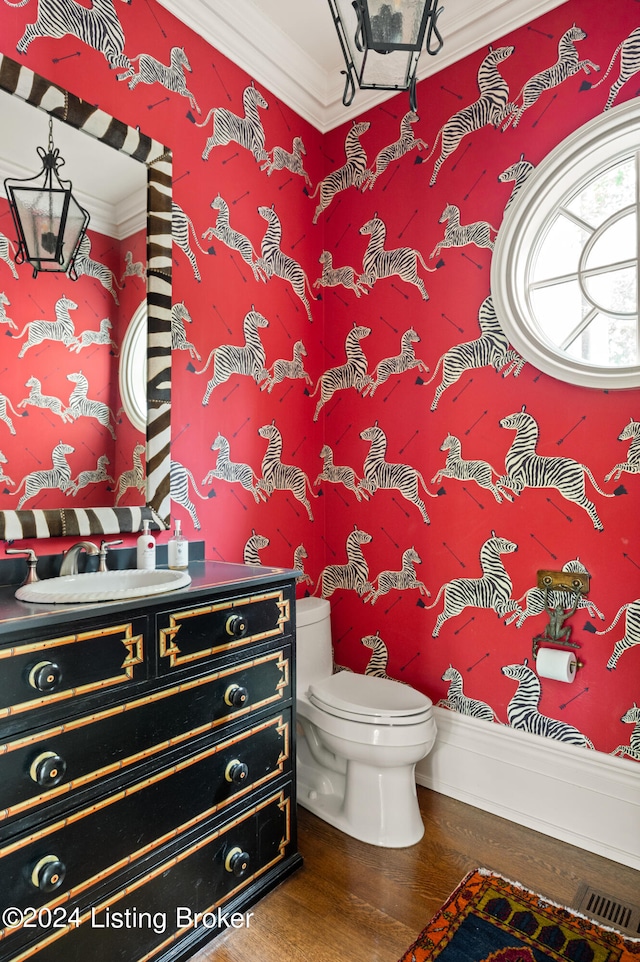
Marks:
<point>582,797</point>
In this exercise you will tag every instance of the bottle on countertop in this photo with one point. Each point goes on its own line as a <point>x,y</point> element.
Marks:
<point>146,550</point>
<point>178,549</point>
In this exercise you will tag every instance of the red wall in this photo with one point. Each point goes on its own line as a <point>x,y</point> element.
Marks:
<point>577,423</point>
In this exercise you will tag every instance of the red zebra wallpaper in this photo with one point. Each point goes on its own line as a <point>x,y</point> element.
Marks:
<point>344,398</point>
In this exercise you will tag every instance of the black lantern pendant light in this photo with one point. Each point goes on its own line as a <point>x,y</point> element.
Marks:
<point>49,221</point>
<point>396,29</point>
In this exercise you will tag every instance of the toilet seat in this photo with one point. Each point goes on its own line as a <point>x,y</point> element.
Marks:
<point>370,700</point>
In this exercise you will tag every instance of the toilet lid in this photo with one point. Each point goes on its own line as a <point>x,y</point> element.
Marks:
<point>366,696</point>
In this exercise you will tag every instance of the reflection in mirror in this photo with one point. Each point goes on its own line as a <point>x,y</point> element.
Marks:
<point>155,161</point>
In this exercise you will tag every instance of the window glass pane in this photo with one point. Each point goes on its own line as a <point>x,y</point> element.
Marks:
<point>607,342</point>
<point>614,291</point>
<point>616,243</point>
<point>610,191</point>
<point>559,253</point>
<point>559,310</point>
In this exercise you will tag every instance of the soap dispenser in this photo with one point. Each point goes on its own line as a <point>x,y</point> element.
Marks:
<point>178,549</point>
<point>146,550</point>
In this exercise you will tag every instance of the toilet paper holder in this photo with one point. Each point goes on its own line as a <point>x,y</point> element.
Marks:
<point>557,632</point>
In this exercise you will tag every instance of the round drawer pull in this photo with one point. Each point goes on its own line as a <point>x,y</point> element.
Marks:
<point>237,862</point>
<point>47,769</point>
<point>45,676</point>
<point>236,625</point>
<point>48,874</point>
<point>235,696</point>
<point>236,772</point>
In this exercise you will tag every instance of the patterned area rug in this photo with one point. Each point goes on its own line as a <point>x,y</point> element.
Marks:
<point>489,919</point>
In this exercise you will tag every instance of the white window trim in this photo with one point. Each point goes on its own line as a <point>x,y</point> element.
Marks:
<point>602,140</point>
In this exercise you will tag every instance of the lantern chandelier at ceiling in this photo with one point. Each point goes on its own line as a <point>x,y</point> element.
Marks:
<point>49,221</point>
<point>382,41</point>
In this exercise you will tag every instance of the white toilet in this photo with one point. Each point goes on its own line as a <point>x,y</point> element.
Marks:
<point>359,738</point>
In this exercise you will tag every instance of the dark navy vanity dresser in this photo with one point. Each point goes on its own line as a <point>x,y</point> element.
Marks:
<point>147,767</point>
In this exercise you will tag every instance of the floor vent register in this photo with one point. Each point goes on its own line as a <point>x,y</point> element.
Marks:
<point>622,916</point>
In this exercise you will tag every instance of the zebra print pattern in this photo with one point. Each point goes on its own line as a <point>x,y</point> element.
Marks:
<point>36,90</point>
<point>62,329</point>
<point>629,433</point>
<point>353,576</point>
<point>171,76</point>
<point>180,478</point>
<point>632,750</point>
<point>536,599</point>
<point>631,636</point>
<point>527,469</point>
<point>247,131</point>
<point>97,26</point>
<point>406,360</point>
<point>473,470</point>
<point>352,374</point>
<point>456,699</point>
<point>233,471</point>
<point>492,590</point>
<point>395,151</point>
<point>490,349</point>
<point>273,260</point>
<point>567,64</point>
<point>351,174</point>
<point>490,108</point>
<point>629,51</point>
<point>459,235</point>
<point>379,658</point>
<point>250,554</point>
<point>245,360</point>
<point>277,476</point>
<point>400,580</point>
<point>232,238</point>
<point>523,714</point>
<point>517,173</point>
<point>380,473</point>
<point>58,476</point>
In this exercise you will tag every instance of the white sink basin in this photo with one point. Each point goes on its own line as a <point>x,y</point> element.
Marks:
<point>103,586</point>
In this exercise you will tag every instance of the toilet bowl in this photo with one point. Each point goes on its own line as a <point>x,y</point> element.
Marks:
<point>359,738</point>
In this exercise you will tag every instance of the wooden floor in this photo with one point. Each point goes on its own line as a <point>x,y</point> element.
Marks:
<point>353,902</point>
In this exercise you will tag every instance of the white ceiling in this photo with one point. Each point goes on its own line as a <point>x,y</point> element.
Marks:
<point>291,46</point>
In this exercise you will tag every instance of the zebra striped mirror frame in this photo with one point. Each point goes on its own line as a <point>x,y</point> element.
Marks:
<point>36,90</point>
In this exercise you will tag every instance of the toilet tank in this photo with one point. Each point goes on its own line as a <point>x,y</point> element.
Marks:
<point>314,660</point>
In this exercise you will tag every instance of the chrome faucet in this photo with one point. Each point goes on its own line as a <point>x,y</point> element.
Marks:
<point>104,547</point>
<point>69,564</point>
<point>32,561</point>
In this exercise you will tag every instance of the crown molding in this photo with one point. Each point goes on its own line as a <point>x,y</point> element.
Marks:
<point>241,31</point>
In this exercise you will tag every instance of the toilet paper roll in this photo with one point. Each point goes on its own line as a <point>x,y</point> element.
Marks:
<point>556,664</point>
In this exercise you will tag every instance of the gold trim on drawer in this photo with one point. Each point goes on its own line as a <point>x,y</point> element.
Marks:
<point>134,656</point>
<point>166,636</point>
<point>281,727</point>
<point>284,804</point>
<point>73,724</point>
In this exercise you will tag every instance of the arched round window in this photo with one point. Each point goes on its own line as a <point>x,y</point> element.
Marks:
<point>133,369</point>
<point>564,273</point>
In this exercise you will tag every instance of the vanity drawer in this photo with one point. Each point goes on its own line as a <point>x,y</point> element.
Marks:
<point>38,768</point>
<point>196,875</point>
<point>188,636</point>
<point>45,673</point>
<point>60,862</point>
